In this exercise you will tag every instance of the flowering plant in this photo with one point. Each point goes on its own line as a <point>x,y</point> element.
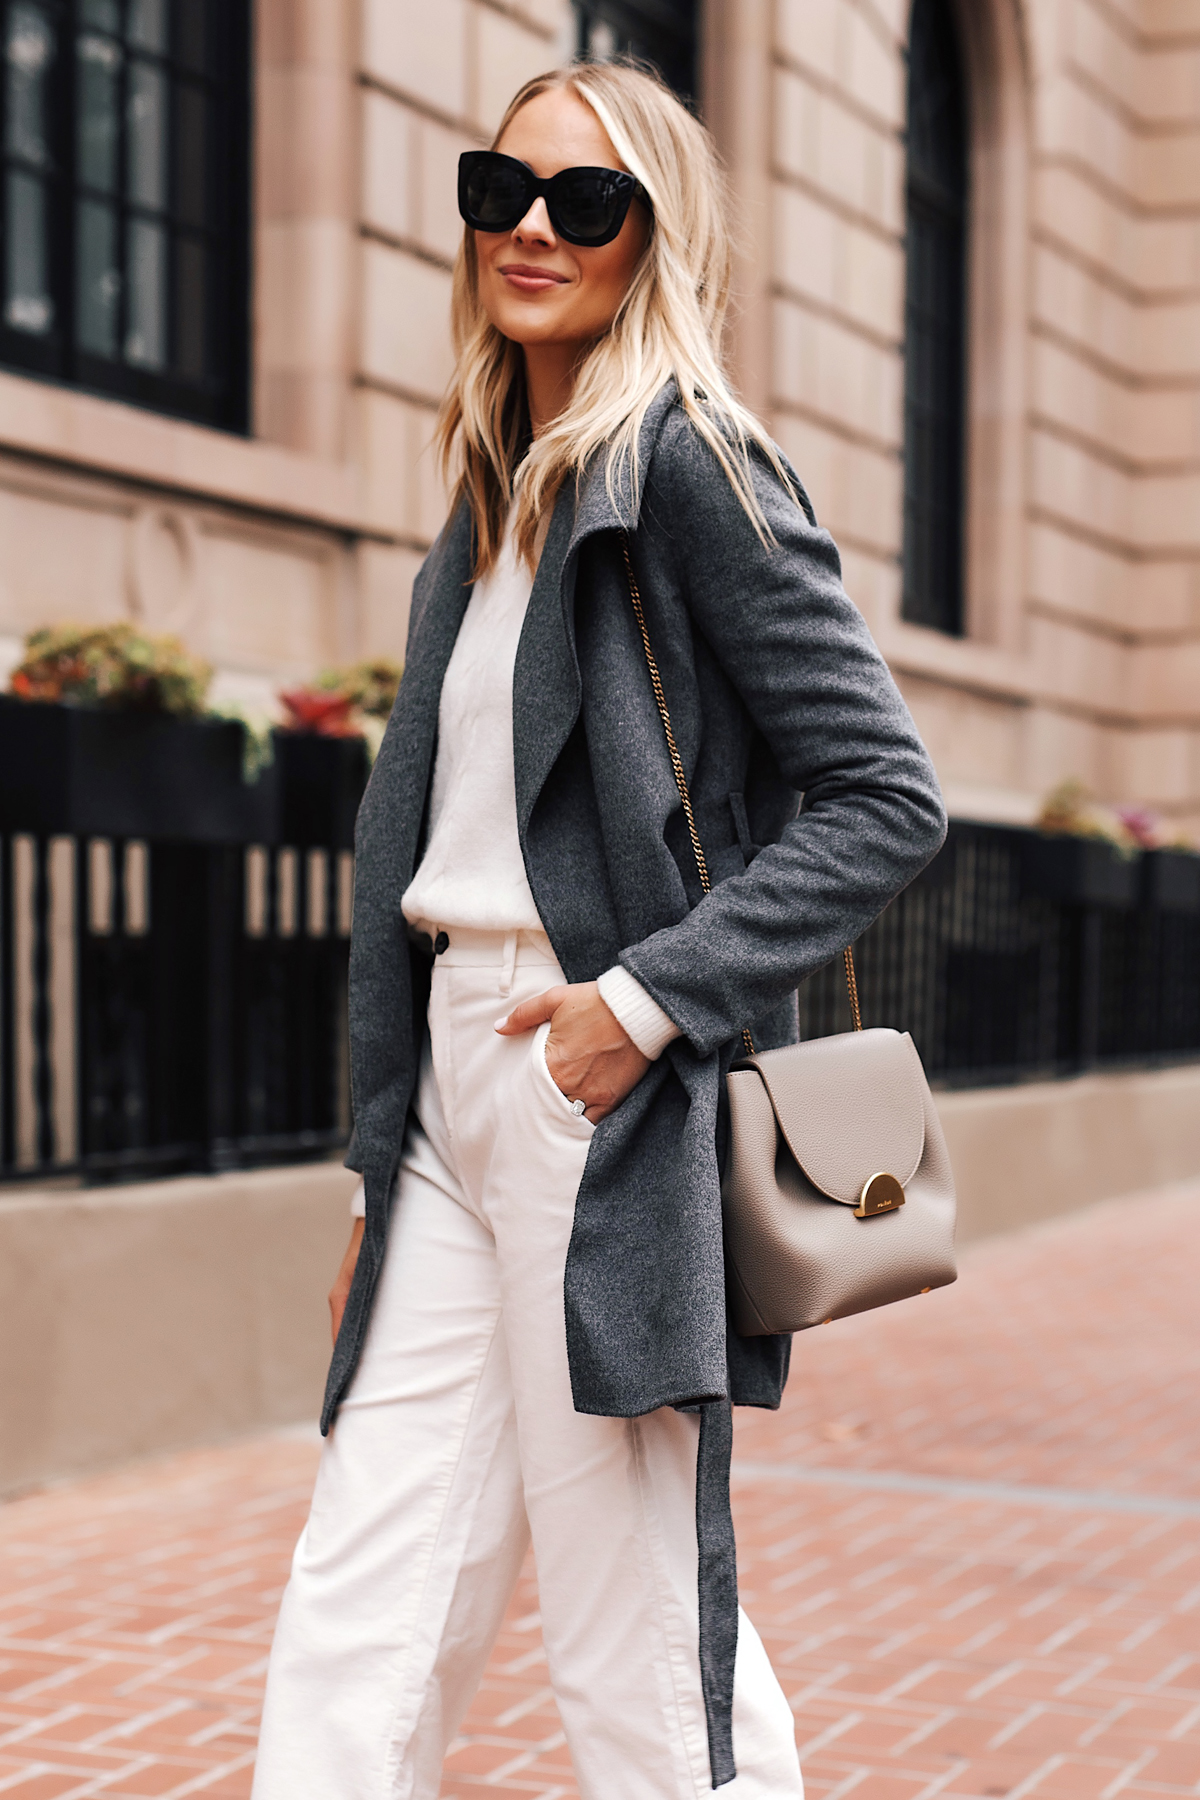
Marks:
<point>371,687</point>
<point>309,709</point>
<point>350,702</point>
<point>1071,808</point>
<point>114,666</point>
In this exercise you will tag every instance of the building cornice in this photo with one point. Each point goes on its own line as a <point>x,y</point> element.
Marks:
<point>86,434</point>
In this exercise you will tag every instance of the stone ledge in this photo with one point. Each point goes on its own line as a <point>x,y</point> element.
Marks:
<point>160,1315</point>
<point>96,436</point>
<point>1021,1154</point>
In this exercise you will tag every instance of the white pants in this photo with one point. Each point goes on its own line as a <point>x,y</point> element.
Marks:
<point>458,1439</point>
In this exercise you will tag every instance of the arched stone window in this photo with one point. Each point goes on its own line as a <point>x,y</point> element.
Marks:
<point>935,398</point>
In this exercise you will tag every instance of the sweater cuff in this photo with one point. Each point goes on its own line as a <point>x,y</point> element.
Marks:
<point>358,1202</point>
<point>643,1018</point>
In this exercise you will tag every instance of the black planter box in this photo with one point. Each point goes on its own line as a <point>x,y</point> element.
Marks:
<point>86,772</point>
<point>1171,880</point>
<point>1078,871</point>
<point>318,782</point>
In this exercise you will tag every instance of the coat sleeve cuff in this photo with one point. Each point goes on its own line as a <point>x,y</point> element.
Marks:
<point>358,1202</point>
<point>643,1018</point>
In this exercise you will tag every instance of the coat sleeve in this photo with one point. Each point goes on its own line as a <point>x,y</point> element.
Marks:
<point>807,670</point>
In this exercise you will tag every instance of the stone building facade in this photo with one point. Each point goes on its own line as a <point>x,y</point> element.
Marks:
<point>282,548</point>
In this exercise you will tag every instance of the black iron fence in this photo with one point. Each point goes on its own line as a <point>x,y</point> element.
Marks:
<point>173,945</point>
<point>1017,956</point>
<point>174,948</point>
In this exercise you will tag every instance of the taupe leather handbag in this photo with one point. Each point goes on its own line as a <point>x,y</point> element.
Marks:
<point>837,1193</point>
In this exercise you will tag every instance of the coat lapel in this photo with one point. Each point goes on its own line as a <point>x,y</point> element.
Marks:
<point>547,688</point>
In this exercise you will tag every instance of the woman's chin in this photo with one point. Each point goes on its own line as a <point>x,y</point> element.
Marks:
<point>527,326</point>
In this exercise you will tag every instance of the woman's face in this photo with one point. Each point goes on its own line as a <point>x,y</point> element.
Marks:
<point>535,287</point>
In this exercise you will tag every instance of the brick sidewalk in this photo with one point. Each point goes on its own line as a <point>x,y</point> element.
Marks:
<point>971,1541</point>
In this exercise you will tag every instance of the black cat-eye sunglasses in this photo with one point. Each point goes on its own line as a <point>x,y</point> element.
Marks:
<point>586,206</point>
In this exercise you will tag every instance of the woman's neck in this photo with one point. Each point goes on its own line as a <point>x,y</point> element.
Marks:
<point>549,381</point>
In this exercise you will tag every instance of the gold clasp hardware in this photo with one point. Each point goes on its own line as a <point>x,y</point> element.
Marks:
<point>882,1193</point>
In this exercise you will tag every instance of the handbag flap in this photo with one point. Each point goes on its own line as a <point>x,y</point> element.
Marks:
<point>848,1107</point>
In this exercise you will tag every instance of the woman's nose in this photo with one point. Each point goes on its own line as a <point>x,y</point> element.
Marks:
<point>535,227</point>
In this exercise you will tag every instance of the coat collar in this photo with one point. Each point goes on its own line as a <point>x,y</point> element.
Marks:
<point>595,509</point>
<point>547,685</point>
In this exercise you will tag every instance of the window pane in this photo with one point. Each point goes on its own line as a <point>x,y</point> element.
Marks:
<point>146,273</point>
<point>104,13</point>
<point>29,56</point>
<point>147,151</point>
<point>98,290</point>
<point>148,23</point>
<point>124,193</point>
<point>190,155</point>
<point>936,119</point>
<point>190,308</point>
<point>601,40</point>
<point>98,127</point>
<point>663,32</point>
<point>935,381</point>
<point>27,302</point>
<point>191,33</point>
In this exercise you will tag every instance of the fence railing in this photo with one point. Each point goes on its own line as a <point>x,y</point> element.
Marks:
<point>1017,956</point>
<point>171,999</point>
<point>171,1006</point>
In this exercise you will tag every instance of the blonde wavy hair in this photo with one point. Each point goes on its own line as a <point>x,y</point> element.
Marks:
<point>668,326</point>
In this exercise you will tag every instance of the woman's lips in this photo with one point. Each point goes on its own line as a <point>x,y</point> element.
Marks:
<point>530,280</point>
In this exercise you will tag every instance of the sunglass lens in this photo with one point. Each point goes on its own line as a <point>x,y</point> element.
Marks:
<point>495,196</point>
<point>587,205</point>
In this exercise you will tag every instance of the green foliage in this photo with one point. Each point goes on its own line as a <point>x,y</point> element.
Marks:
<point>258,744</point>
<point>1073,809</point>
<point>114,666</point>
<point>370,687</point>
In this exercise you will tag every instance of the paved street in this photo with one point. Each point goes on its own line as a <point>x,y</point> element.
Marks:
<point>971,1541</point>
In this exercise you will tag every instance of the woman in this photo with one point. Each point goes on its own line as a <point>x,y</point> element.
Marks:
<point>530,1321</point>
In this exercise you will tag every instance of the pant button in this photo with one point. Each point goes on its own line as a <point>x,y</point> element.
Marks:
<point>441,942</point>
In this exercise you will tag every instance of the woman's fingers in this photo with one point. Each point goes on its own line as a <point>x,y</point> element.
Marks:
<point>531,1013</point>
<point>589,1054</point>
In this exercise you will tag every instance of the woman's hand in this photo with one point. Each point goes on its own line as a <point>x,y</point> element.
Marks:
<point>589,1055</point>
<point>340,1291</point>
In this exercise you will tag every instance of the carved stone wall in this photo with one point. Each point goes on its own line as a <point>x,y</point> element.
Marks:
<point>1083,649</point>
<point>276,555</point>
<point>298,546</point>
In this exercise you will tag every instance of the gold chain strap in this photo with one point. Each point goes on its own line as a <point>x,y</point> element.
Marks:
<point>852,984</point>
<point>660,700</point>
<point>664,715</point>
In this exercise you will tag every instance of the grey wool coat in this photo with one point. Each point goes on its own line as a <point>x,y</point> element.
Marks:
<point>816,803</point>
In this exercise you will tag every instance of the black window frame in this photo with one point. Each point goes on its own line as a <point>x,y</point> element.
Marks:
<point>218,393</point>
<point>663,32</point>
<point>937,226</point>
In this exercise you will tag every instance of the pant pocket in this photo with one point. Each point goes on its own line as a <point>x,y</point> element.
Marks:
<point>549,1088</point>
